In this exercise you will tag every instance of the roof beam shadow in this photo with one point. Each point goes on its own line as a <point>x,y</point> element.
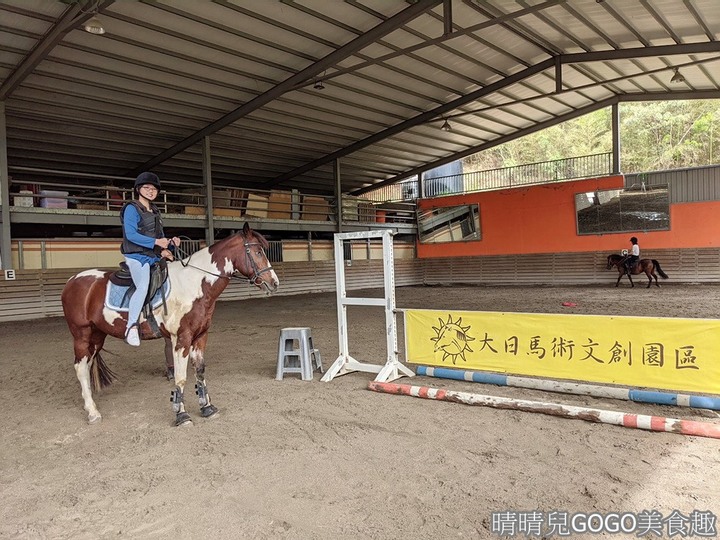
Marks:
<point>490,144</point>
<point>360,42</point>
<point>552,62</point>
<point>70,19</point>
<point>626,98</point>
<point>417,120</point>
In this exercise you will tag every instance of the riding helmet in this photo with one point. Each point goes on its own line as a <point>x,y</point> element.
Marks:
<point>633,240</point>
<point>147,177</point>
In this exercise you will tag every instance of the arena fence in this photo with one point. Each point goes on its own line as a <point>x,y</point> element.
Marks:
<point>36,293</point>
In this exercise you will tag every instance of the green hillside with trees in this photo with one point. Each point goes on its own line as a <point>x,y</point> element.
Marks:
<point>653,136</point>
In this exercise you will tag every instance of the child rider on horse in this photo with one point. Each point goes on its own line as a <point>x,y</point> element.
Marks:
<point>633,256</point>
<point>143,239</point>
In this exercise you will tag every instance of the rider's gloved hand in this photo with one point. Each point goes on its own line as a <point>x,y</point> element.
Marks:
<point>162,242</point>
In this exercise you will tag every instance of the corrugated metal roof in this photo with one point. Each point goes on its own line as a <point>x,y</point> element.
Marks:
<point>168,72</point>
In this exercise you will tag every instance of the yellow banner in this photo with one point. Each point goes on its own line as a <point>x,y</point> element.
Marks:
<point>663,353</point>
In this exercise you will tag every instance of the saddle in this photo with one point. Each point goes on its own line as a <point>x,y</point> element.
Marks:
<point>122,277</point>
<point>158,277</point>
<point>630,265</point>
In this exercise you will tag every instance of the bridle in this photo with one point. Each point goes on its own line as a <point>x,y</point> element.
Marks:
<point>254,279</point>
<point>616,263</point>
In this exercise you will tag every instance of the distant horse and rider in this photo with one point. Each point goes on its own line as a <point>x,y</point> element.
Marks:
<point>642,266</point>
<point>182,317</point>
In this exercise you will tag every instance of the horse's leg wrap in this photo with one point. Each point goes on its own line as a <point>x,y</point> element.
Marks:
<point>202,393</point>
<point>176,397</point>
<point>207,409</point>
<point>181,417</point>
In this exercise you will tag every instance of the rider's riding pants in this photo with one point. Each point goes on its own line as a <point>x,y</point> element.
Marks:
<point>141,278</point>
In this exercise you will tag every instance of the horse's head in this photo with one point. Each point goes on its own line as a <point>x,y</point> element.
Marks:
<point>254,264</point>
<point>613,259</point>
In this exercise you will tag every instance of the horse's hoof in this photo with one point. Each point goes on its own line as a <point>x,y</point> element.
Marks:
<point>209,411</point>
<point>94,418</point>
<point>183,419</point>
<point>170,374</point>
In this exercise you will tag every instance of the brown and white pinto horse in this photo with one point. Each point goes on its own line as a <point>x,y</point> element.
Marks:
<point>196,282</point>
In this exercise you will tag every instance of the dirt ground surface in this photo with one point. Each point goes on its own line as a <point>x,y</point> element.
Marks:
<point>310,460</point>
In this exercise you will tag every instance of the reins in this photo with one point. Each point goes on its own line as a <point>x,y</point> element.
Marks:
<point>254,279</point>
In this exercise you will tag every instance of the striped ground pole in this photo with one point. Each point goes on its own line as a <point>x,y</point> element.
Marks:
<point>641,396</point>
<point>638,421</point>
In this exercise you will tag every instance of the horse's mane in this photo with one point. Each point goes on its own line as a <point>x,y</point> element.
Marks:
<point>253,236</point>
<point>260,238</point>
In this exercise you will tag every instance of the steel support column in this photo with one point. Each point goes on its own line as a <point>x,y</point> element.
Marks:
<point>208,188</point>
<point>338,194</point>
<point>615,138</point>
<point>5,239</point>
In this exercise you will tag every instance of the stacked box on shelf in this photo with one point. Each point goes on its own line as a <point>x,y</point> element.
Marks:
<point>280,205</point>
<point>53,199</point>
<point>349,209</point>
<point>257,205</point>
<point>227,212</point>
<point>195,210</point>
<point>315,208</point>
<point>24,198</point>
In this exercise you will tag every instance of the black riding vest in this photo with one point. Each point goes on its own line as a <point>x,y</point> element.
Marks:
<point>150,225</point>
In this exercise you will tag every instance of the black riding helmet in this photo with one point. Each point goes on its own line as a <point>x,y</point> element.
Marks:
<point>632,240</point>
<point>147,177</point>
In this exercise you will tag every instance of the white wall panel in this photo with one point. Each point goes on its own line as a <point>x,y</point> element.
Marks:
<point>36,293</point>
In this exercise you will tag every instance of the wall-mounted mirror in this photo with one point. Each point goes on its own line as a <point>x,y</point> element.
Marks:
<point>449,224</point>
<point>639,208</point>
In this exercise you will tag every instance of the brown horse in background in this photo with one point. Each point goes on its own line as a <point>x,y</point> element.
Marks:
<point>643,266</point>
<point>195,284</point>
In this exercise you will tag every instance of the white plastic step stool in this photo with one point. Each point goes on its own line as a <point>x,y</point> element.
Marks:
<point>302,358</point>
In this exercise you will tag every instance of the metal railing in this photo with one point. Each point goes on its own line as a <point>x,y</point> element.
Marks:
<point>520,175</point>
<point>189,246</point>
<point>405,190</point>
<point>229,203</point>
<point>539,173</point>
<point>275,251</point>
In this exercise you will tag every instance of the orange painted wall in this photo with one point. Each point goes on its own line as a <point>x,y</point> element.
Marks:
<point>541,219</point>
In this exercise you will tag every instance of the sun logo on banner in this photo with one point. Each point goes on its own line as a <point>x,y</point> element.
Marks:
<point>452,339</point>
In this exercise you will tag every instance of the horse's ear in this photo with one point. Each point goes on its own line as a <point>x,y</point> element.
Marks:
<point>246,229</point>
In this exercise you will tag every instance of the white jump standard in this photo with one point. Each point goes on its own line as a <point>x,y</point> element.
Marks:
<point>393,368</point>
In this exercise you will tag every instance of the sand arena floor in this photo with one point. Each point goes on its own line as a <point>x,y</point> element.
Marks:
<point>304,460</point>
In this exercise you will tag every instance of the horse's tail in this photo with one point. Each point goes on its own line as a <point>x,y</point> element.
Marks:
<point>657,265</point>
<point>100,375</point>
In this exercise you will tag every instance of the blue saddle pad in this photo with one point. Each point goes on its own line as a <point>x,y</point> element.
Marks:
<point>116,297</point>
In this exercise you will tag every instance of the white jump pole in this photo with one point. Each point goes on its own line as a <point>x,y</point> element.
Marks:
<point>637,421</point>
<point>393,368</point>
<point>581,389</point>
